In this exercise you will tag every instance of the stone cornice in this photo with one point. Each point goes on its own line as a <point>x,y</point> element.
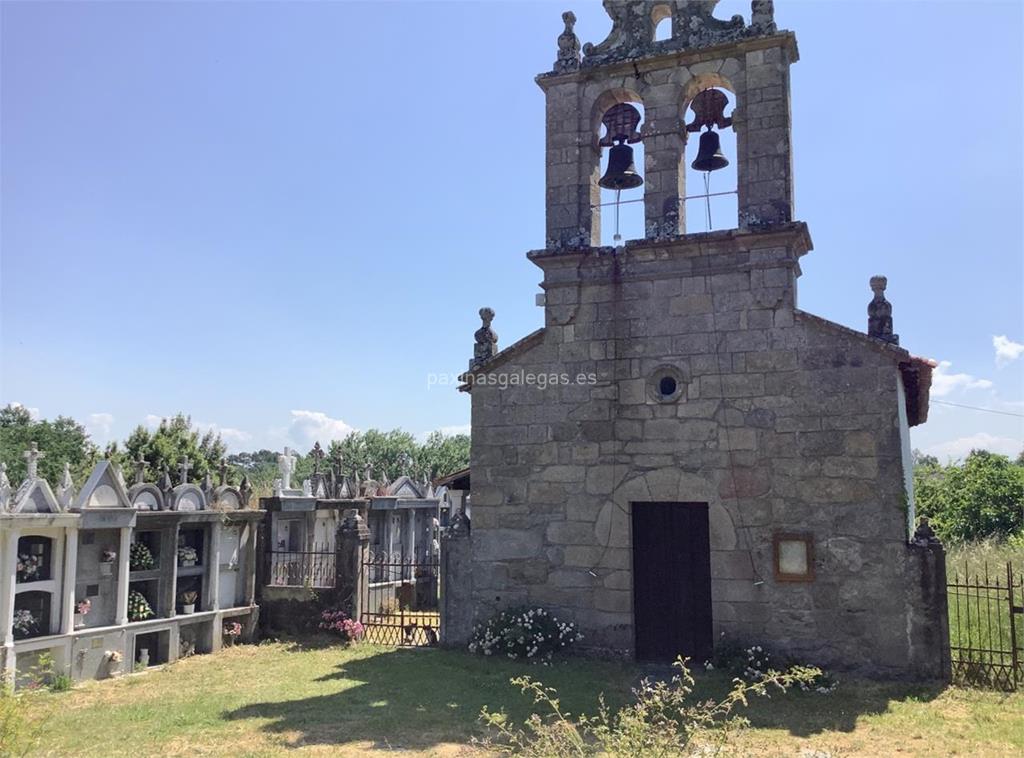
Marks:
<point>672,59</point>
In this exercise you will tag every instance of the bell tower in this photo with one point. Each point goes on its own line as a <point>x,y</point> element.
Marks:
<point>676,80</point>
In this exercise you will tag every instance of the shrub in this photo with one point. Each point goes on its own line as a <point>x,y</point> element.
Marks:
<point>755,662</point>
<point>661,721</point>
<point>60,683</point>
<point>337,621</point>
<point>530,633</point>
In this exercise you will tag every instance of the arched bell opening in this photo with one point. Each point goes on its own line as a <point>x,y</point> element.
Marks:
<point>711,157</point>
<point>617,183</point>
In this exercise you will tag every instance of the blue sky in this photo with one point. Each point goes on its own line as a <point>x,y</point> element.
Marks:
<point>281,218</point>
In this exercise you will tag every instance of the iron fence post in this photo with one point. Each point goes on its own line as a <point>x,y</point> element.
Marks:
<point>1014,659</point>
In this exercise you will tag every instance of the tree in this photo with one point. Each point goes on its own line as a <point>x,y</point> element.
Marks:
<point>982,497</point>
<point>62,440</point>
<point>441,455</point>
<point>173,439</point>
<point>260,466</point>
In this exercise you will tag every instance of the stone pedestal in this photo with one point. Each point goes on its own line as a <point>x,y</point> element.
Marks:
<point>353,547</point>
<point>456,583</point>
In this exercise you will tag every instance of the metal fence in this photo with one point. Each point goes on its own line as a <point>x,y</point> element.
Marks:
<point>314,568</point>
<point>986,627</point>
<point>401,602</point>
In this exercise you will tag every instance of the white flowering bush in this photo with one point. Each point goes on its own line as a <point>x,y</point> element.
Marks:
<point>823,683</point>
<point>755,663</point>
<point>530,634</point>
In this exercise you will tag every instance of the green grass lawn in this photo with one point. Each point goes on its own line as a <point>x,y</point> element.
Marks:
<point>282,698</point>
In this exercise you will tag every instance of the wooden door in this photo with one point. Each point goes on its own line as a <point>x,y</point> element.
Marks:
<point>672,581</point>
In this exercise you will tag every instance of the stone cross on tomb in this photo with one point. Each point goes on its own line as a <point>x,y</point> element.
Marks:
<point>140,469</point>
<point>32,456</point>
<point>318,456</point>
<point>183,468</point>
<point>340,458</point>
<point>286,467</point>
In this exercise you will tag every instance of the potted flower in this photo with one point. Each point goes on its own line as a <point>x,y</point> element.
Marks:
<point>139,608</point>
<point>107,558</point>
<point>114,659</point>
<point>82,608</point>
<point>29,567</point>
<point>187,556</point>
<point>24,623</point>
<point>188,601</point>
<point>140,558</point>
<point>232,631</point>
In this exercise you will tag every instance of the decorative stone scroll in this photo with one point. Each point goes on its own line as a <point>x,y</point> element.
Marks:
<point>693,26</point>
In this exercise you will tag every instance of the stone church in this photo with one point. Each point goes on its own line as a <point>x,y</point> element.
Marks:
<point>682,455</point>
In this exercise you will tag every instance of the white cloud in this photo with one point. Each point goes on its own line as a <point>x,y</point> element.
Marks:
<point>945,383</point>
<point>449,431</point>
<point>229,435</point>
<point>1007,351</point>
<point>960,447</point>
<point>152,421</point>
<point>308,427</point>
<point>99,425</point>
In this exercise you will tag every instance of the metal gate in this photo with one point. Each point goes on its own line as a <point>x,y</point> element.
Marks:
<point>401,599</point>
<point>986,628</point>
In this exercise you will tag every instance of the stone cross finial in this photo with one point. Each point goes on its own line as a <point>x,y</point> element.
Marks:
<point>32,456</point>
<point>183,468</point>
<point>140,469</point>
<point>66,488</point>
<point>223,472</point>
<point>880,313</point>
<point>568,46</point>
<point>318,455</point>
<point>485,339</point>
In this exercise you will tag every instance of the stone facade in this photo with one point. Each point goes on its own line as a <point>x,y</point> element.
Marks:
<point>679,368</point>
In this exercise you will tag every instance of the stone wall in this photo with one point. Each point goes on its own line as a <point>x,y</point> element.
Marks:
<point>785,422</point>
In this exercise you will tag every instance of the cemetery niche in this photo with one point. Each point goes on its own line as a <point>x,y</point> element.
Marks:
<point>116,578</point>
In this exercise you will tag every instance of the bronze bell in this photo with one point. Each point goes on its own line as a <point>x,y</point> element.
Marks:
<point>709,156</point>
<point>621,173</point>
